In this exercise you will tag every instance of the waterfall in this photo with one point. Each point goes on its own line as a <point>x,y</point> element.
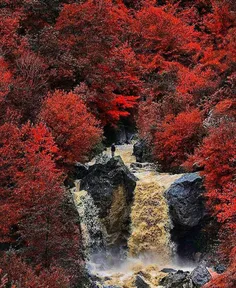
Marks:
<point>150,221</point>
<point>149,246</point>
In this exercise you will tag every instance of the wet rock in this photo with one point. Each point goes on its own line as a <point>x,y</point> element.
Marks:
<point>103,179</point>
<point>200,275</point>
<point>81,170</point>
<point>180,279</point>
<point>168,270</point>
<point>142,152</point>
<point>111,185</point>
<point>102,159</point>
<point>186,204</point>
<point>141,282</point>
<point>220,268</point>
<point>136,165</point>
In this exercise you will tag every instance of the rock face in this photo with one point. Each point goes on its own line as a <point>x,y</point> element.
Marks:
<point>111,185</point>
<point>184,279</point>
<point>185,200</point>
<point>142,152</point>
<point>188,214</point>
<point>123,136</point>
<point>180,279</point>
<point>78,172</point>
<point>200,275</point>
<point>102,159</point>
<point>81,170</point>
<point>140,282</point>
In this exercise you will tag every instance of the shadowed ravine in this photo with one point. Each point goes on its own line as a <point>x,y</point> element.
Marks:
<point>149,243</point>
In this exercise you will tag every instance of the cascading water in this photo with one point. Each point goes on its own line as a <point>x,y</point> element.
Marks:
<point>149,247</point>
<point>91,228</point>
<point>149,218</point>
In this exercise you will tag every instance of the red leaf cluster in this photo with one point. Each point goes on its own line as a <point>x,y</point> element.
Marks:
<point>74,129</point>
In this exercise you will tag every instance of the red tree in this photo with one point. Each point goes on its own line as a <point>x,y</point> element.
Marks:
<point>93,39</point>
<point>74,129</point>
<point>10,22</point>
<point>11,151</point>
<point>19,274</point>
<point>32,193</point>
<point>179,136</point>
<point>29,85</point>
<point>217,156</point>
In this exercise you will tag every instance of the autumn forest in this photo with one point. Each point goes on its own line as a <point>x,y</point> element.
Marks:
<point>69,70</point>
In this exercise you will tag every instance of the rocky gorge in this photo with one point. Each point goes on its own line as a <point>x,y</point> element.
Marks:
<point>140,227</point>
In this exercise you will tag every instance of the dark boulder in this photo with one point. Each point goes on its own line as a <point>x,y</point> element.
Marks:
<point>180,279</point>
<point>185,200</point>
<point>142,152</point>
<point>200,275</point>
<point>104,178</point>
<point>81,170</point>
<point>111,185</point>
<point>220,268</point>
<point>141,282</point>
<point>186,203</point>
<point>78,171</point>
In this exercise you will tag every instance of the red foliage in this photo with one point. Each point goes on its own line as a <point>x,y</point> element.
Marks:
<point>74,129</point>
<point>90,36</point>
<point>148,119</point>
<point>5,84</point>
<point>161,34</point>
<point>219,168</point>
<point>94,45</point>
<point>29,85</point>
<point>217,156</point>
<point>26,154</point>
<point>8,26</point>
<point>19,274</point>
<point>11,150</point>
<point>221,20</point>
<point>5,79</point>
<point>179,136</point>
<point>38,214</point>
